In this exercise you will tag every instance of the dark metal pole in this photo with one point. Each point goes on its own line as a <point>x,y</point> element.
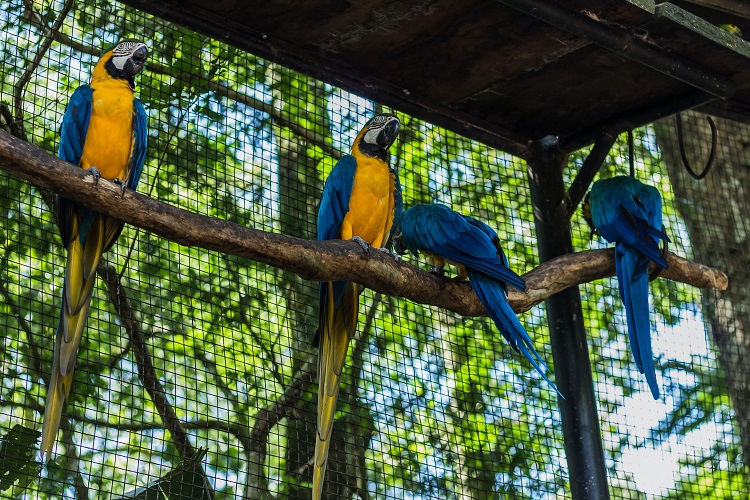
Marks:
<point>580,422</point>
<point>586,174</point>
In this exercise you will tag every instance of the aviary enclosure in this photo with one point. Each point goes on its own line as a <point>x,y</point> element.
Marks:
<point>197,372</point>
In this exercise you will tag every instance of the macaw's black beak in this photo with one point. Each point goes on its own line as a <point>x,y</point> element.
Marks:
<point>136,61</point>
<point>388,135</point>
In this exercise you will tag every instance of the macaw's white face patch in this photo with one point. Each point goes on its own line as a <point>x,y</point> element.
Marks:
<point>123,51</point>
<point>371,136</point>
<point>376,126</point>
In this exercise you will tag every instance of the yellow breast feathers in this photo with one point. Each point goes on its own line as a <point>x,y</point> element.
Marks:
<point>109,141</point>
<point>371,204</point>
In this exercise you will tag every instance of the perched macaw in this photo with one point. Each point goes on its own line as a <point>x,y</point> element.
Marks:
<point>103,130</point>
<point>360,199</point>
<point>474,248</point>
<point>732,28</point>
<point>628,213</point>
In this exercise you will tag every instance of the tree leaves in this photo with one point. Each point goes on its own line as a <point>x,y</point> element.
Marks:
<point>17,452</point>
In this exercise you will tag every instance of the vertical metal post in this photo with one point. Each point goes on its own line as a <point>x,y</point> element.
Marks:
<point>580,422</point>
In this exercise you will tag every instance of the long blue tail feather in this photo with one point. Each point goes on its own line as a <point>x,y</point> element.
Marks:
<point>632,281</point>
<point>492,296</point>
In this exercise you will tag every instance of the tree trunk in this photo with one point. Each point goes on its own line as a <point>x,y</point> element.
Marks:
<point>716,210</point>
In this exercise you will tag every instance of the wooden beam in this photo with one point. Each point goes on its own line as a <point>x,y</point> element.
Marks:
<point>315,260</point>
<point>739,8</point>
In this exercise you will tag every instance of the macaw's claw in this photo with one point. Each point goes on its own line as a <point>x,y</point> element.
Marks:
<point>439,270</point>
<point>652,275</point>
<point>95,173</point>
<point>122,184</point>
<point>362,243</point>
<point>393,254</point>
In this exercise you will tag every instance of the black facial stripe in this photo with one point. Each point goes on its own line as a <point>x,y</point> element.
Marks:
<point>379,121</point>
<point>125,48</point>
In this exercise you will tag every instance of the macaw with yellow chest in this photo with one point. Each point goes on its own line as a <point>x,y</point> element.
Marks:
<point>474,248</point>
<point>627,212</point>
<point>360,200</point>
<point>104,130</point>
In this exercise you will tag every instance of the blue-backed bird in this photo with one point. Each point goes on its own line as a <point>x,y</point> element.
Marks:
<point>474,248</point>
<point>104,130</point>
<point>627,212</point>
<point>360,199</point>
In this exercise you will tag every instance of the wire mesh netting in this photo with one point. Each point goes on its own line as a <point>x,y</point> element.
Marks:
<point>432,404</point>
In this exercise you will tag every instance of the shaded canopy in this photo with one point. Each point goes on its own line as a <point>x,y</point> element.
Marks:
<point>505,72</point>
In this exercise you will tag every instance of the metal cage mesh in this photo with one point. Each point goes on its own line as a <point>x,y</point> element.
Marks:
<point>432,405</point>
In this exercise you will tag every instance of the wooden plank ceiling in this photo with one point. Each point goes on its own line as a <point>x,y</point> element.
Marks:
<point>506,72</point>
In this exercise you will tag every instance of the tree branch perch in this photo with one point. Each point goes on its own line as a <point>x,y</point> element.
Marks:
<point>316,260</point>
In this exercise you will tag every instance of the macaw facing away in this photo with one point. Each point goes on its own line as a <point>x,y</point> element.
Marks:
<point>628,213</point>
<point>360,200</point>
<point>103,130</point>
<point>474,248</point>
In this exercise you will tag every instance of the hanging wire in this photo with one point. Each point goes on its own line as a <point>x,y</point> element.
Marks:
<point>631,153</point>
<point>681,142</point>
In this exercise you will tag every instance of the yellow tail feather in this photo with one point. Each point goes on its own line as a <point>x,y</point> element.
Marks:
<point>93,249</point>
<point>74,275</point>
<point>57,396</point>
<point>80,277</point>
<point>339,328</point>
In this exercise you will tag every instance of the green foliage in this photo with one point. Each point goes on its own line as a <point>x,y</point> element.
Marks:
<point>17,452</point>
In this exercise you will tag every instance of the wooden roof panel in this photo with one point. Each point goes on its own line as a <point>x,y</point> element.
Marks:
<point>502,71</point>
<point>608,77</point>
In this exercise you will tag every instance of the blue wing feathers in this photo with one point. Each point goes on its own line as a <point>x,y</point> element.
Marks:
<point>140,144</point>
<point>438,230</point>
<point>398,210</point>
<point>334,203</point>
<point>75,125</point>
<point>73,130</point>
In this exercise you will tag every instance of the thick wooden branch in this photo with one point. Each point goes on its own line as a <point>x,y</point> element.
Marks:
<point>315,260</point>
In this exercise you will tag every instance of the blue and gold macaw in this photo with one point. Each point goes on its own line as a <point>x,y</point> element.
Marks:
<point>360,199</point>
<point>474,248</point>
<point>628,213</point>
<point>104,131</point>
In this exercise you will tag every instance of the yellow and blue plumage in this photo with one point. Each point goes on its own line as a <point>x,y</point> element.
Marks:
<point>628,213</point>
<point>360,200</point>
<point>104,130</point>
